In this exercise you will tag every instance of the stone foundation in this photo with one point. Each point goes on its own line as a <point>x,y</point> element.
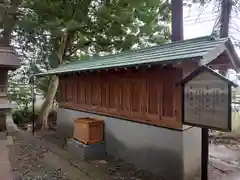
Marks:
<point>171,154</point>
<point>87,152</point>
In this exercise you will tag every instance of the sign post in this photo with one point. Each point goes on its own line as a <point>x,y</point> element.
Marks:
<point>206,103</point>
<point>205,152</point>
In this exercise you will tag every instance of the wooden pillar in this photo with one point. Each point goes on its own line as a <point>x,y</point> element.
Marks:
<point>205,152</point>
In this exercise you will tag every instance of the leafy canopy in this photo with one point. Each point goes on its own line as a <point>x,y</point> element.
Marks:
<point>94,26</point>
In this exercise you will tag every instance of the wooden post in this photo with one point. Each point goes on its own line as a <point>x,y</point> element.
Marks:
<point>205,152</point>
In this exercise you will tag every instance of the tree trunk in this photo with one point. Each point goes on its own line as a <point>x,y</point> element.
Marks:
<point>47,104</point>
<point>226,9</point>
<point>177,20</point>
<point>53,86</point>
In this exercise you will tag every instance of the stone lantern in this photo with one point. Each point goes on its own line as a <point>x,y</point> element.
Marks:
<point>8,61</point>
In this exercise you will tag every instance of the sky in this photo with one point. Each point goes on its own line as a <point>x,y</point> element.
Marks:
<point>200,22</point>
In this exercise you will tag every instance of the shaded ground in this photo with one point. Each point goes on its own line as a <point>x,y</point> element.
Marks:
<point>27,160</point>
<point>224,156</point>
<point>36,158</point>
<point>44,157</point>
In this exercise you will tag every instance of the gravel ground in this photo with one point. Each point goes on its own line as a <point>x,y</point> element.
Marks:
<point>36,159</point>
<point>26,157</point>
<point>44,158</point>
<point>117,169</point>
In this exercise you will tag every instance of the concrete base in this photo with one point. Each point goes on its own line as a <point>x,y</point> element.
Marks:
<point>86,152</point>
<point>171,154</point>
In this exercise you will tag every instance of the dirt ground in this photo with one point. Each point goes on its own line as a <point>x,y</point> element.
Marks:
<point>43,157</point>
<point>224,157</point>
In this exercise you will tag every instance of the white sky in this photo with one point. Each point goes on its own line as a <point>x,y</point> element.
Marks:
<point>199,23</point>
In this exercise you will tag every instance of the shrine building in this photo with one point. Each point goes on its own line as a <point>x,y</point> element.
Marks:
<point>137,95</point>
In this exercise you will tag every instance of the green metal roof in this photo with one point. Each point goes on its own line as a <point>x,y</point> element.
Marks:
<point>166,53</point>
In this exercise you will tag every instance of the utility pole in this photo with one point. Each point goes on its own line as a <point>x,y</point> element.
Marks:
<point>177,20</point>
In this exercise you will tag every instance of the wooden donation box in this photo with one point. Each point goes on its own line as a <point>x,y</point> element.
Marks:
<point>206,100</point>
<point>88,130</point>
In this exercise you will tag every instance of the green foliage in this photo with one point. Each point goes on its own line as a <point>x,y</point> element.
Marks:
<point>20,94</point>
<point>22,116</point>
<point>92,27</point>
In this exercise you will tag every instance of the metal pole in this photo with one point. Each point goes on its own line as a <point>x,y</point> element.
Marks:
<point>33,106</point>
<point>205,151</point>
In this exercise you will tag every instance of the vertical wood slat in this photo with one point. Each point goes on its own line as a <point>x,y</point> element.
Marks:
<point>178,96</point>
<point>172,91</point>
<point>126,97</point>
<point>84,88</point>
<point>143,105</point>
<point>167,97</point>
<point>153,101</point>
<point>65,91</point>
<point>88,93</point>
<point>94,93</point>
<point>146,97</point>
<point>111,95</point>
<point>61,88</point>
<point>69,93</point>
<point>117,95</point>
<point>79,93</point>
<point>135,96</point>
<point>104,95</point>
<point>75,91</point>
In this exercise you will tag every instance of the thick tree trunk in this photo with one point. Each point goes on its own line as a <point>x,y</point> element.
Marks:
<point>47,104</point>
<point>53,86</point>
<point>177,20</point>
<point>226,10</point>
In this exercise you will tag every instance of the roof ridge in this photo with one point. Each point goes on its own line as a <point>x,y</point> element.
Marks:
<point>92,58</point>
<point>165,53</point>
<point>142,50</point>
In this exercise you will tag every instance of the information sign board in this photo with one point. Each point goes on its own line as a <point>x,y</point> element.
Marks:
<point>207,100</point>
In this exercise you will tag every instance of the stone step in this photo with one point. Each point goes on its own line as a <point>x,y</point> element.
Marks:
<point>86,152</point>
<point>5,167</point>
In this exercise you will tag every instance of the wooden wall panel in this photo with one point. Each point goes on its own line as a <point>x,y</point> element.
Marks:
<point>153,99</point>
<point>143,96</point>
<point>125,97</point>
<point>135,96</point>
<point>168,90</point>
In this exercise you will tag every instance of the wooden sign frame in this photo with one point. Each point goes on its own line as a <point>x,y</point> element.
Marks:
<point>203,115</point>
